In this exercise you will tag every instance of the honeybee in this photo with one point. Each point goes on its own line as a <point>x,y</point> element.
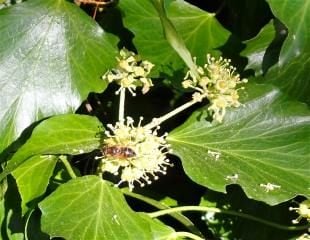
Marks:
<point>118,152</point>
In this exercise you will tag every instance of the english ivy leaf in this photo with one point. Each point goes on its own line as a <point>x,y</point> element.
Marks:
<point>291,73</point>
<point>51,56</point>
<point>32,178</point>
<point>257,46</point>
<point>89,208</point>
<point>263,146</point>
<point>64,134</point>
<point>295,14</point>
<point>200,30</point>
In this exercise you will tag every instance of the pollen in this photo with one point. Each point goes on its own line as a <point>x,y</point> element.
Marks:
<point>149,160</point>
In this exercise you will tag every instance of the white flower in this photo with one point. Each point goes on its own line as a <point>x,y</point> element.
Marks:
<point>217,81</point>
<point>137,154</point>
<point>303,210</point>
<point>130,73</point>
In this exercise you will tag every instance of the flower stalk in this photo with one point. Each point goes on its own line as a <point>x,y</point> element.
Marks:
<point>228,212</point>
<point>157,121</point>
<point>67,165</point>
<point>182,235</point>
<point>121,111</point>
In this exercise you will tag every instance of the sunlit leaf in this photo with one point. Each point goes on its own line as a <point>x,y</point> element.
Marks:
<point>51,56</point>
<point>263,146</point>
<point>200,30</point>
<point>291,73</point>
<point>89,208</point>
<point>256,48</point>
<point>63,134</point>
<point>32,178</point>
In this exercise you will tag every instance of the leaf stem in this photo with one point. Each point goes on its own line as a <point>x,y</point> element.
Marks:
<point>157,121</point>
<point>173,38</point>
<point>176,235</point>
<point>68,166</point>
<point>26,224</point>
<point>228,212</point>
<point>121,111</point>
<point>177,216</point>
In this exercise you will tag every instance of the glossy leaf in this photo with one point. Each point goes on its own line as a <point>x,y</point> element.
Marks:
<point>291,73</point>
<point>295,14</point>
<point>256,48</point>
<point>200,30</point>
<point>51,56</point>
<point>32,178</point>
<point>173,38</point>
<point>63,134</point>
<point>263,146</point>
<point>89,208</point>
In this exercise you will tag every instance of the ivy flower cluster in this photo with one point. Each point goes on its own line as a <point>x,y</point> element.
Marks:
<point>146,153</point>
<point>303,210</point>
<point>136,153</point>
<point>130,72</point>
<point>217,81</point>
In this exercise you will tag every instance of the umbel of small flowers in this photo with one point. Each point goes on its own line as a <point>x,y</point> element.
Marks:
<point>148,153</point>
<point>303,210</point>
<point>130,72</point>
<point>216,81</point>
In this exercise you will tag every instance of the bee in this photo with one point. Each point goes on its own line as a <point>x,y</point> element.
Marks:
<point>118,152</point>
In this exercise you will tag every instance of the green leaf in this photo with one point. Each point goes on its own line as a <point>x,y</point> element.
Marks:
<point>256,48</point>
<point>165,203</point>
<point>64,134</point>
<point>89,208</point>
<point>291,73</point>
<point>12,224</point>
<point>200,31</point>
<point>51,56</point>
<point>295,14</point>
<point>266,141</point>
<point>174,39</point>
<point>32,178</point>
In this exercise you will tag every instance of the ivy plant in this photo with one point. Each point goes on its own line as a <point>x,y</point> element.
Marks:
<point>155,119</point>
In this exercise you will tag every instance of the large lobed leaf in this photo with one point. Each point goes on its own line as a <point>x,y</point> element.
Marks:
<point>200,30</point>
<point>89,208</point>
<point>291,70</point>
<point>32,178</point>
<point>51,56</point>
<point>256,48</point>
<point>263,143</point>
<point>295,14</point>
<point>64,134</point>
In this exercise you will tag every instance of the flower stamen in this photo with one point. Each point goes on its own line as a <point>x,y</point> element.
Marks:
<point>149,158</point>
